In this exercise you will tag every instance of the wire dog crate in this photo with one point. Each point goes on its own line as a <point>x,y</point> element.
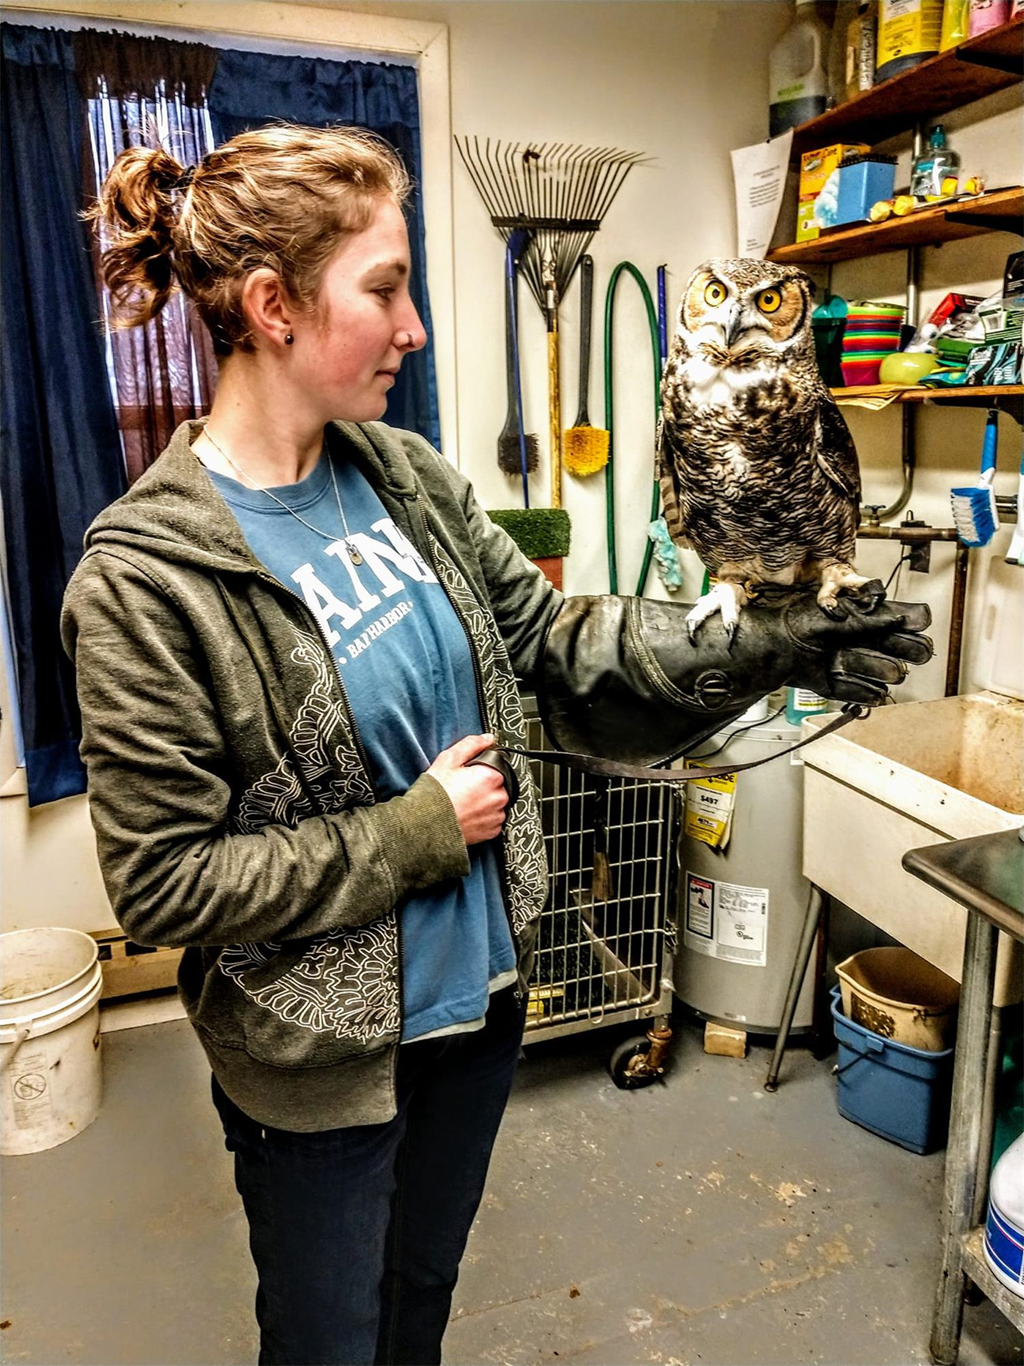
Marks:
<point>605,939</point>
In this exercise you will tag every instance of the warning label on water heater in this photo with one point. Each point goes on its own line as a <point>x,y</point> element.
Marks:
<point>726,920</point>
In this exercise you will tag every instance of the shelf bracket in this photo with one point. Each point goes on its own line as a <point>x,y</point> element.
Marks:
<point>995,61</point>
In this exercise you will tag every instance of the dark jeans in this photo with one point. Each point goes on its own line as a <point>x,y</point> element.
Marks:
<point>357,1233</point>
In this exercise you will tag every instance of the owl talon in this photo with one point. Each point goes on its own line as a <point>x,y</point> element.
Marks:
<point>837,578</point>
<point>730,632</point>
<point>726,598</point>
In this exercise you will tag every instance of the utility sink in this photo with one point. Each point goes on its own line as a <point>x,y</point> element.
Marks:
<point>913,774</point>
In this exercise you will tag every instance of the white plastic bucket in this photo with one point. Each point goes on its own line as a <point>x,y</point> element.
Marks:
<point>50,1075</point>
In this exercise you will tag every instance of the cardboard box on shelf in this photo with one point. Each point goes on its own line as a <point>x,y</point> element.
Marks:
<point>806,227</point>
<point>817,166</point>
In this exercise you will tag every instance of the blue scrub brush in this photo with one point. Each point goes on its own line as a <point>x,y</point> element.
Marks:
<point>974,508</point>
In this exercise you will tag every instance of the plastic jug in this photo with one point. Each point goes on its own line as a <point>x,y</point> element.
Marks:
<point>797,71</point>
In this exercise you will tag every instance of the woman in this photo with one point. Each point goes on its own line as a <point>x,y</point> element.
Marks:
<point>292,638</point>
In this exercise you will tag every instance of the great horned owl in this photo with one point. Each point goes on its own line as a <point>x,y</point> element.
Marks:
<point>758,469</point>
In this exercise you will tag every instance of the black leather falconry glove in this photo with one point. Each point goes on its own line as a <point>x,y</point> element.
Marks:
<point>620,678</point>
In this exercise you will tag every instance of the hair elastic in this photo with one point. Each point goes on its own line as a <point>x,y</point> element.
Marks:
<point>185,179</point>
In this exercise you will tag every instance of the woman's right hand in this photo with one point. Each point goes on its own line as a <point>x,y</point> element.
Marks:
<point>477,793</point>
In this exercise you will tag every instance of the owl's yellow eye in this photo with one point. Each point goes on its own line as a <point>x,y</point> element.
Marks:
<point>714,292</point>
<point>769,300</point>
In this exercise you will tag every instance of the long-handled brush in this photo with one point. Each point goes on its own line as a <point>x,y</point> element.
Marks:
<point>974,507</point>
<point>517,450</point>
<point>585,450</point>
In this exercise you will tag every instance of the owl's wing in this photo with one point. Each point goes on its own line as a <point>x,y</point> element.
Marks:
<point>836,453</point>
<point>668,479</point>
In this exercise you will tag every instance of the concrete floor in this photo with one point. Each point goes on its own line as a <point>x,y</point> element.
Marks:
<point>698,1221</point>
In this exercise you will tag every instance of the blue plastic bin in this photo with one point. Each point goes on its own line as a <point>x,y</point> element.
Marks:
<point>897,1092</point>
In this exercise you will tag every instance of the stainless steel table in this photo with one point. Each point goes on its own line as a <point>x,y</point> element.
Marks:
<point>985,874</point>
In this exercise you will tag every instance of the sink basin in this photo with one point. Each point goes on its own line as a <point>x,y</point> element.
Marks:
<point>909,775</point>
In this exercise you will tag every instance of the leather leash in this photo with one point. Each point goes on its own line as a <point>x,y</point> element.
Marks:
<point>609,768</point>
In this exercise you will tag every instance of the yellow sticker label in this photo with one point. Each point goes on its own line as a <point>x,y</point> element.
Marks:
<point>709,804</point>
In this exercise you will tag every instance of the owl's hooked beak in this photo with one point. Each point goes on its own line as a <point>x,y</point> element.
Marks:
<point>734,324</point>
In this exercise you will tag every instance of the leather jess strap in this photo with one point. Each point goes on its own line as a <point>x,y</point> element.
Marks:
<point>609,768</point>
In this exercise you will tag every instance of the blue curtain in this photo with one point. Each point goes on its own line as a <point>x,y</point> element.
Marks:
<point>252,88</point>
<point>61,453</point>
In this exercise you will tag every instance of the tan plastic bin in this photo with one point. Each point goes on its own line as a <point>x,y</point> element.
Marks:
<point>896,994</point>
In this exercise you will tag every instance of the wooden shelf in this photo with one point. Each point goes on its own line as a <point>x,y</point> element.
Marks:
<point>1000,211</point>
<point>941,83</point>
<point>974,396</point>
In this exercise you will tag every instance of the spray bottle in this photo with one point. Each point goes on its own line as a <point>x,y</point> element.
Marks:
<point>936,172</point>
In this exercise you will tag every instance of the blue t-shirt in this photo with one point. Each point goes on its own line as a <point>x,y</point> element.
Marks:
<point>406,668</point>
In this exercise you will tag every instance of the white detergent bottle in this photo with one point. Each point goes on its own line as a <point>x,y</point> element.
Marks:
<point>797,71</point>
<point>1004,1227</point>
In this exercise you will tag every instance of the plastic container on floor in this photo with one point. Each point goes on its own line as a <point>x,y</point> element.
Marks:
<point>895,993</point>
<point>50,985</point>
<point>899,1093</point>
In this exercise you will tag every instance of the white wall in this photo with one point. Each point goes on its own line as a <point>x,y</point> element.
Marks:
<point>683,83</point>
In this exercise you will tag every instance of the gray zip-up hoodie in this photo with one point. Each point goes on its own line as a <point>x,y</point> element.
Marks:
<point>228,786</point>
<point>229,789</point>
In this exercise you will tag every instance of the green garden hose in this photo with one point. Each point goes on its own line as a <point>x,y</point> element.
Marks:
<point>609,404</point>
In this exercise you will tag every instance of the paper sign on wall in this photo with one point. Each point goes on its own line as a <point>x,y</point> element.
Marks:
<point>760,176</point>
<point>726,920</point>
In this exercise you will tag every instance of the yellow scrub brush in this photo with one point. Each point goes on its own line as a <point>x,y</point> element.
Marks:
<point>585,449</point>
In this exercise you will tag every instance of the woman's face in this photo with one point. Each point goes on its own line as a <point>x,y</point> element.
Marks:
<point>349,352</point>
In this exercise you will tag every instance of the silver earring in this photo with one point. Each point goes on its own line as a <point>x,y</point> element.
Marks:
<point>288,339</point>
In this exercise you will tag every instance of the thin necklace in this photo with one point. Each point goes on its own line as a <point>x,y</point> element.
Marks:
<point>350,549</point>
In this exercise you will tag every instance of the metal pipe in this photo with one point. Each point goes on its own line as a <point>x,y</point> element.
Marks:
<point>909,444</point>
<point>909,449</point>
<point>956,621</point>
<point>913,285</point>
<point>815,905</point>
<point>908,534</point>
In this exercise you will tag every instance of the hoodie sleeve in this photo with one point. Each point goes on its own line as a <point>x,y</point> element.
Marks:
<point>160,798</point>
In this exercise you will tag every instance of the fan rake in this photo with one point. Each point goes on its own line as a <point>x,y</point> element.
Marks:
<point>557,194</point>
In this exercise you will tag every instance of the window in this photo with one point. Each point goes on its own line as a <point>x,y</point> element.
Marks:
<point>165,372</point>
